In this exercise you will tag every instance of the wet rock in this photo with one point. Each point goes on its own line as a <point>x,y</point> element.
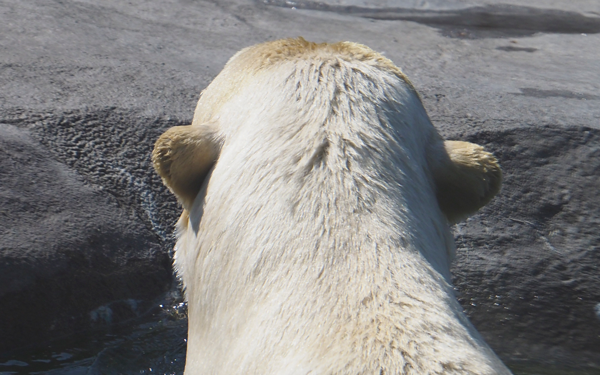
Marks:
<point>527,265</point>
<point>66,247</point>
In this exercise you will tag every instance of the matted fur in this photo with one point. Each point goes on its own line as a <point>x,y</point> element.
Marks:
<point>315,238</point>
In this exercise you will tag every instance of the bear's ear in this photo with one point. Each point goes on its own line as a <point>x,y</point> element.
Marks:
<point>466,179</point>
<point>183,156</point>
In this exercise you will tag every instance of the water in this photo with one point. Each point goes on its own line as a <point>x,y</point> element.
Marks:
<point>154,345</point>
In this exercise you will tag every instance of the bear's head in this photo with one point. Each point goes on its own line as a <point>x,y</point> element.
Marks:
<point>466,177</point>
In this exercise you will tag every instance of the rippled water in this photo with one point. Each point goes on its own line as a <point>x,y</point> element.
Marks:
<point>153,345</point>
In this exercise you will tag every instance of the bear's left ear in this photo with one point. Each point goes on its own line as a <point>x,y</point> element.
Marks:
<point>466,178</point>
<point>183,156</point>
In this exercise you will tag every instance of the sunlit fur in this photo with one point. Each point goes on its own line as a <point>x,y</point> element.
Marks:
<point>315,239</point>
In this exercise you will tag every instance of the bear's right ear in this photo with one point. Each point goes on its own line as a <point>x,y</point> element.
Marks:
<point>466,178</point>
<point>183,156</point>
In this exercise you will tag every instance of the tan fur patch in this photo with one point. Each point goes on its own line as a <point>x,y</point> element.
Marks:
<point>252,61</point>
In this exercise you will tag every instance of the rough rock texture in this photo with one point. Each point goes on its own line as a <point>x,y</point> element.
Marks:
<point>527,267</point>
<point>67,248</point>
<point>87,86</point>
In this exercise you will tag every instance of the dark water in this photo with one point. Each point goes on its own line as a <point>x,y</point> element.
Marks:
<point>153,345</point>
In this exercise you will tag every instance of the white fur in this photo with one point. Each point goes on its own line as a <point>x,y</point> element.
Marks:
<point>316,244</point>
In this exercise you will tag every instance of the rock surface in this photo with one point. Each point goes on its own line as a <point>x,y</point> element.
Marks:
<point>86,87</point>
<point>67,248</point>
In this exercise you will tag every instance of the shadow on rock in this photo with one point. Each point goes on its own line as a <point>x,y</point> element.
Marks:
<point>527,265</point>
<point>490,21</point>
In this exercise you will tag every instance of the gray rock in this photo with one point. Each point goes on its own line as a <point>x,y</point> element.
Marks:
<point>66,247</point>
<point>95,83</point>
<point>527,265</point>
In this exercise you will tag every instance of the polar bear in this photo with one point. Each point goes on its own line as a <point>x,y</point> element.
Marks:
<point>314,237</point>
